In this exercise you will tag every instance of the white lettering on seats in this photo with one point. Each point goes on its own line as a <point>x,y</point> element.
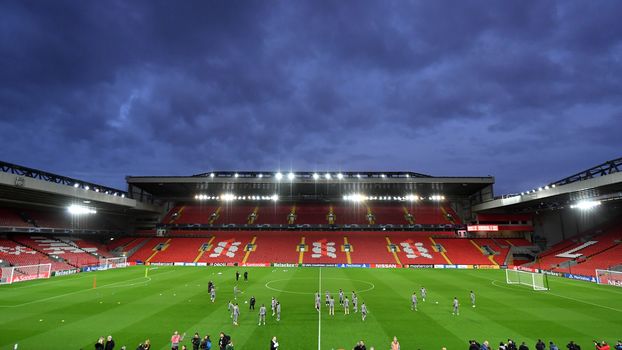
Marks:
<point>570,253</point>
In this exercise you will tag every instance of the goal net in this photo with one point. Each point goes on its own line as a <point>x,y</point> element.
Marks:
<point>112,263</point>
<point>14,274</point>
<point>612,278</point>
<point>537,281</point>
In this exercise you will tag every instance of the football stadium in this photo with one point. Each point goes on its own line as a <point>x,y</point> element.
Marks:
<point>319,260</point>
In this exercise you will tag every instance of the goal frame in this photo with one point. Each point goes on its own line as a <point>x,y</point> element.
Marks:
<point>9,276</point>
<point>528,279</point>
<point>107,263</point>
<point>602,272</point>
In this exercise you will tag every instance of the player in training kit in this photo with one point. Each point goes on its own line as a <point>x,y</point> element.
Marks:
<point>340,297</point>
<point>213,294</point>
<point>346,306</point>
<point>262,315</point>
<point>318,301</point>
<point>236,314</point>
<point>363,311</point>
<point>230,307</point>
<point>273,305</point>
<point>414,302</point>
<point>278,311</point>
<point>331,306</point>
<point>472,298</point>
<point>456,306</point>
<point>355,302</point>
<point>327,298</point>
<point>236,291</point>
<point>424,293</point>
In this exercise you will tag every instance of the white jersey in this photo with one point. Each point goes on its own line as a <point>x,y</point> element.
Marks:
<point>364,309</point>
<point>424,292</point>
<point>414,298</point>
<point>273,303</point>
<point>262,310</point>
<point>236,310</point>
<point>346,303</point>
<point>331,303</point>
<point>455,303</point>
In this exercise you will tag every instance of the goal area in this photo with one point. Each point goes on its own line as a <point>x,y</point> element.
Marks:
<point>12,274</point>
<point>609,277</point>
<point>112,263</point>
<point>537,281</point>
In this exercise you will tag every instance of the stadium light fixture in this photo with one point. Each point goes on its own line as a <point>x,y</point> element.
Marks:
<point>227,197</point>
<point>553,185</point>
<point>327,176</point>
<point>407,176</point>
<point>546,187</point>
<point>316,176</point>
<point>411,197</point>
<point>383,176</point>
<point>123,196</point>
<point>76,185</point>
<point>75,209</point>
<point>236,175</point>
<point>275,197</point>
<point>340,176</point>
<point>291,176</point>
<point>212,175</point>
<point>278,176</point>
<point>358,176</point>
<point>86,187</point>
<point>97,190</point>
<point>585,205</point>
<point>260,176</point>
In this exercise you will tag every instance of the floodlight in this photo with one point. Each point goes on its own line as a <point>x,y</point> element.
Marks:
<point>260,176</point>
<point>76,185</point>
<point>358,176</point>
<point>227,197</point>
<point>291,176</point>
<point>345,198</point>
<point>553,185</point>
<point>546,187</point>
<point>327,176</point>
<point>585,205</point>
<point>278,176</point>
<point>123,196</point>
<point>236,175</point>
<point>75,209</point>
<point>383,176</point>
<point>212,175</point>
<point>275,197</point>
<point>340,176</point>
<point>97,190</point>
<point>86,187</point>
<point>315,176</point>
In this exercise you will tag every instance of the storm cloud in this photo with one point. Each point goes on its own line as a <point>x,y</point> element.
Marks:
<point>526,91</point>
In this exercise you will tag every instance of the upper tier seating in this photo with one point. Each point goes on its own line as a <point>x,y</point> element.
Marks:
<point>343,213</point>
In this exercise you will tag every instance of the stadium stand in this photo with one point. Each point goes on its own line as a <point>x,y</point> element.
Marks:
<point>19,255</point>
<point>9,217</point>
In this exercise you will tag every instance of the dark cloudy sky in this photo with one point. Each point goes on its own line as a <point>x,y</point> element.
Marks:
<point>527,91</point>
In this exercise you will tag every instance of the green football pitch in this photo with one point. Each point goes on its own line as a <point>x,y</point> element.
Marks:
<point>68,313</point>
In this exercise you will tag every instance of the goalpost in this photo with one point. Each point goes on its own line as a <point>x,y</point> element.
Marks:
<point>537,281</point>
<point>112,263</point>
<point>609,277</point>
<point>14,274</point>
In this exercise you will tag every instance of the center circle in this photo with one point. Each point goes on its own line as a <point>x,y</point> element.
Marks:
<point>308,286</point>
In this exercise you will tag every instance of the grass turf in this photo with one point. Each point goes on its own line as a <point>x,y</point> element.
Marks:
<point>67,313</point>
